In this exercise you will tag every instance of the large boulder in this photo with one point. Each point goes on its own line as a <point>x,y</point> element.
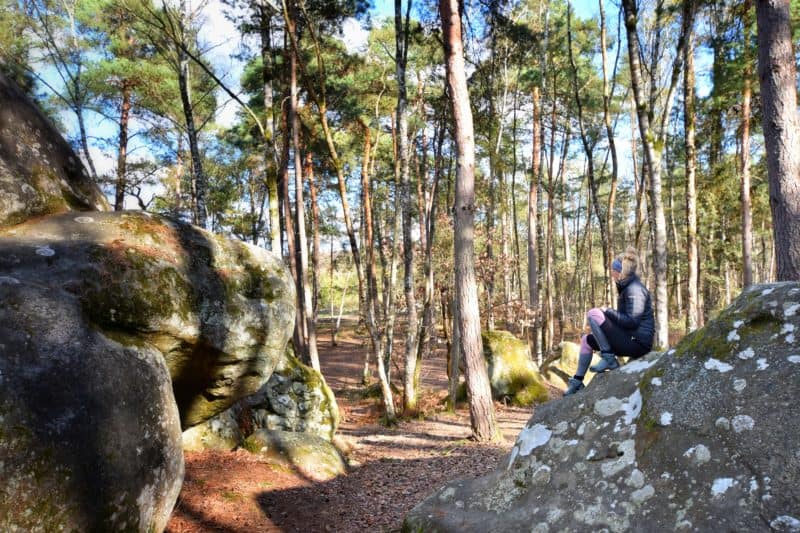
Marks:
<point>512,374</point>
<point>220,311</point>
<point>90,437</point>
<point>39,172</point>
<point>698,439</point>
<point>296,398</point>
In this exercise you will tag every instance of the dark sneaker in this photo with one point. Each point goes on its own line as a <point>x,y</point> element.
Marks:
<point>573,386</point>
<point>608,361</point>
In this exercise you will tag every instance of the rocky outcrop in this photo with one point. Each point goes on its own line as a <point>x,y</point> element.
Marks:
<point>89,430</point>
<point>296,398</point>
<point>39,172</point>
<point>512,374</point>
<point>698,439</point>
<point>311,456</point>
<point>218,310</point>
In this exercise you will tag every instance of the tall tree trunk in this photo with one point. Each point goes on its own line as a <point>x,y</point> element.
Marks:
<point>692,258</point>
<point>122,157</point>
<point>482,416</point>
<point>612,144</point>
<point>653,169</point>
<point>426,328</point>
<point>747,218</point>
<point>298,338</point>
<point>778,74</point>
<point>372,284</point>
<point>270,153</point>
<point>312,190</point>
<point>533,231</point>
<point>319,98</point>
<point>199,185</point>
<point>406,201</point>
<point>588,148</point>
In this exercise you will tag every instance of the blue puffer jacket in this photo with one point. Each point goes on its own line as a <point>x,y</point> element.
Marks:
<point>634,311</point>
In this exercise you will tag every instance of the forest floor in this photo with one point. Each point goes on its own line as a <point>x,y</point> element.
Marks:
<point>391,469</point>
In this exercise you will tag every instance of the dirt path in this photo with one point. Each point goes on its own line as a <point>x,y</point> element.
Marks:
<point>393,469</point>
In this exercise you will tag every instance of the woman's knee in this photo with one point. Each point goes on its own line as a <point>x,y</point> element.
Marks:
<point>596,315</point>
<point>585,344</point>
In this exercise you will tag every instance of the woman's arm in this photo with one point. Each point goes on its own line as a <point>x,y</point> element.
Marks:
<point>631,316</point>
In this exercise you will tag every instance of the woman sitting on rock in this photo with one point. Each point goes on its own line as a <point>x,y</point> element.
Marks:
<point>627,330</point>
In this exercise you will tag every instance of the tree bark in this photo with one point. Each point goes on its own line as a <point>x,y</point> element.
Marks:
<point>122,154</point>
<point>406,202</point>
<point>692,258</point>
<point>270,153</point>
<point>778,74</point>
<point>199,185</point>
<point>372,285</point>
<point>612,145</point>
<point>653,169</point>
<point>482,416</point>
<point>533,260</point>
<point>747,218</point>
<point>588,148</point>
<point>315,237</point>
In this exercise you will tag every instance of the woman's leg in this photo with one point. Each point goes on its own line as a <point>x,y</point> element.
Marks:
<point>621,341</point>
<point>588,345</point>
<point>596,320</point>
<point>600,326</point>
<point>575,383</point>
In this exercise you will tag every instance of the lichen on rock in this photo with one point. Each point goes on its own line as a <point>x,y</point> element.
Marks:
<point>672,441</point>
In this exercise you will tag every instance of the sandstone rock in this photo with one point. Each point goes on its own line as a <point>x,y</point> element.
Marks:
<point>512,373</point>
<point>89,429</point>
<point>220,311</point>
<point>296,398</point>
<point>222,433</point>
<point>39,172</point>
<point>701,438</point>
<point>307,454</point>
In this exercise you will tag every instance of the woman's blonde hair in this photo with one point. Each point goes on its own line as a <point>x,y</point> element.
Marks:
<point>630,262</point>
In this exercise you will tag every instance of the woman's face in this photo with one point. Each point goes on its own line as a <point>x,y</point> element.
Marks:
<point>614,275</point>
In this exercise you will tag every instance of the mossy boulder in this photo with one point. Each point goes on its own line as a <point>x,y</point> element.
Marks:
<point>90,436</point>
<point>700,438</point>
<point>296,398</point>
<point>512,374</point>
<point>219,311</point>
<point>310,456</point>
<point>39,172</point>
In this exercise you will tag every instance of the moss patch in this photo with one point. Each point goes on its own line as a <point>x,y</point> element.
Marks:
<point>511,372</point>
